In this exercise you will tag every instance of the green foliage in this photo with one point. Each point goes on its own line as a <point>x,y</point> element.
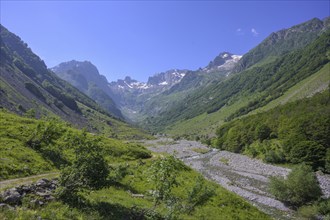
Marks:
<point>30,146</point>
<point>317,210</point>
<point>89,170</point>
<point>199,194</point>
<point>65,98</point>
<point>309,152</point>
<point>284,41</point>
<point>295,132</point>
<point>263,132</point>
<point>265,83</point>
<point>163,174</point>
<point>300,187</point>
<point>34,89</point>
<point>20,65</point>
<point>31,113</point>
<point>327,161</point>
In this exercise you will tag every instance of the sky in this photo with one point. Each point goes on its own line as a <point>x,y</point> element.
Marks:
<point>142,38</point>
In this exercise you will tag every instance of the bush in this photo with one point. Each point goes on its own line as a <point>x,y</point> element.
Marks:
<point>308,152</point>
<point>263,132</point>
<point>199,194</point>
<point>163,174</point>
<point>300,187</point>
<point>327,161</point>
<point>34,90</point>
<point>89,170</point>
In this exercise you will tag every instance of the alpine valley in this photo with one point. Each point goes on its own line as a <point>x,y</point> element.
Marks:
<point>98,138</point>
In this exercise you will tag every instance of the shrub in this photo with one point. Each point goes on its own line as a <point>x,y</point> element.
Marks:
<point>89,170</point>
<point>308,152</point>
<point>163,174</point>
<point>263,132</point>
<point>34,90</point>
<point>272,156</point>
<point>300,187</point>
<point>199,194</point>
<point>327,161</point>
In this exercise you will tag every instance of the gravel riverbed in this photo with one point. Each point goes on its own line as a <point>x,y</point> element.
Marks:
<point>238,173</point>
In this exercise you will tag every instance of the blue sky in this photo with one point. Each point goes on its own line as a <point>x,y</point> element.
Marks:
<point>141,38</point>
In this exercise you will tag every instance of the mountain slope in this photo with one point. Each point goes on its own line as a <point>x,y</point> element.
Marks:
<point>86,77</point>
<point>283,42</point>
<point>163,90</point>
<point>28,87</point>
<point>205,125</point>
<point>260,84</point>
<point>132,95</point>
<point>295,132</point>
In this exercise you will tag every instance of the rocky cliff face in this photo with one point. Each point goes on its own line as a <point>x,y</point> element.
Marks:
<point>224,62</point>
<point>284,41</point>
<point>86,77</point>
<point>155,84</point>
<point>161,89</point>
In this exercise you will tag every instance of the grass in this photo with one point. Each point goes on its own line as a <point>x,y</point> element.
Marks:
<point>206,124</point>
<point>169,142</point>
<point>26,180</point>
<point>201,150</point>
<point>112,127</point>
<point>18,159</point>
<point>114,201</point>
<point>317,82</point>
<point>224,160</point>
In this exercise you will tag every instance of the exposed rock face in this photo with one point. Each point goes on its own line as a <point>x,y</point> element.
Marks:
<point>43,190</point>
<point>86,77</point>
<point>225,62</point>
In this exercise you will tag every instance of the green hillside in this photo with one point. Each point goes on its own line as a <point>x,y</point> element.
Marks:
<point>31,146</point>
<point>28,87</point>
<point>295,132</point>
<point>260,84</point>
<point>206,124</point>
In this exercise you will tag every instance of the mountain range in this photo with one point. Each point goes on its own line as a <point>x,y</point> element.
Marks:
<point>28,87</point>
<point>241,83</point>
<point>272,104</point>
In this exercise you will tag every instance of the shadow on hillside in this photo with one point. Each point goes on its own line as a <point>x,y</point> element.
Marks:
<point>116,211</point>
<point>110,211</point>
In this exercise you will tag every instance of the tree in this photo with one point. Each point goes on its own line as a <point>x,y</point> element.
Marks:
<point>309,152</point>
<point>163,174</point>
<point>88,171</point>
<point>263,132</point>
<point>300,187</point>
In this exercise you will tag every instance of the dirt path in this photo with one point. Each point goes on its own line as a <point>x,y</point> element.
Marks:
<point>240,174</point>
<point>25,180</point>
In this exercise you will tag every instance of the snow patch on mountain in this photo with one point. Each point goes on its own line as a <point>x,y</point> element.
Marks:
<point>223,62</point>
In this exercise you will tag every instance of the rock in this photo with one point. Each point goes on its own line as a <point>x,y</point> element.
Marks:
<point>6,206</point>
<point>44,194</point>
<point>43,183</point>
<point>50,198</point>
<point>42,188</point>
<point>27,189</point>
<point>37,202</point>
<point>12,196</point>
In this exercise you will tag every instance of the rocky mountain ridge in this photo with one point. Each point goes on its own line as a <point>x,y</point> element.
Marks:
<point>86,77</point>
<point>157,82</point>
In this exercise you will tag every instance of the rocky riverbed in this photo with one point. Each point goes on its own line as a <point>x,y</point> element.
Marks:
<point>240,174</point>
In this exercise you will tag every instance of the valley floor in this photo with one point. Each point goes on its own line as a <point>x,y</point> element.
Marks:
<point>240,174</point>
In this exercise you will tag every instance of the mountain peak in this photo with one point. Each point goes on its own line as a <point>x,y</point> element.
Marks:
<point>225,61</point>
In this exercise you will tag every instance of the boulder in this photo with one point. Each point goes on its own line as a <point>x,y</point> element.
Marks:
<point>12,196</point>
